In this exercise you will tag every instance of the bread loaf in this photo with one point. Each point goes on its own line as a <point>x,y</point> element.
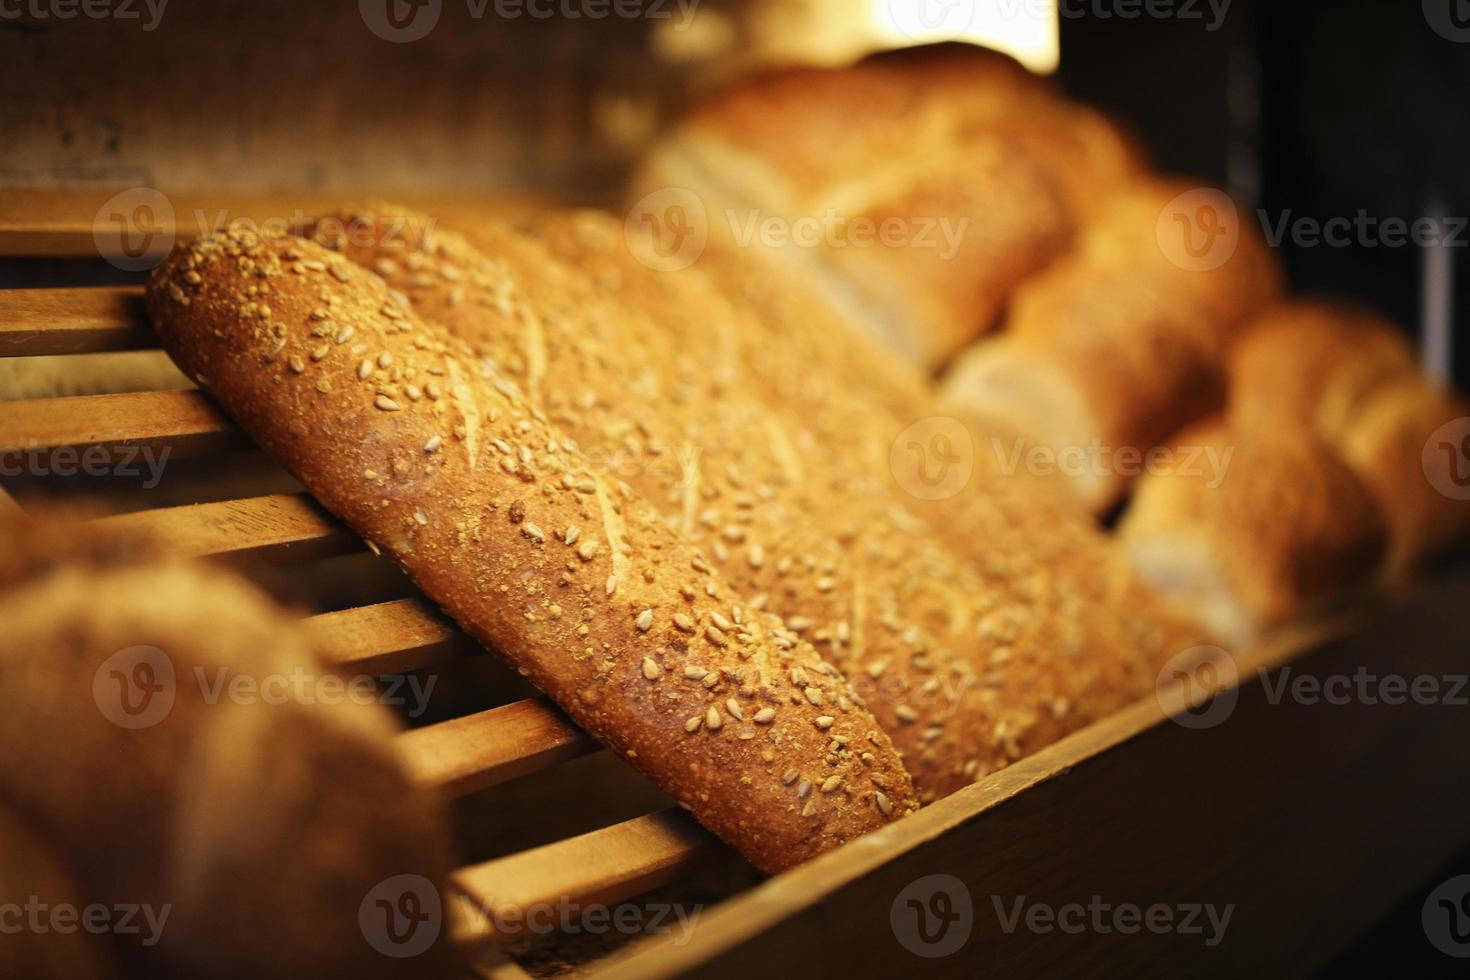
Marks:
<point>1116,346</point>
<point>1283,527</point>
<point>953,645</point>
<point>246,830</point>
<point>1351,377</point>
<point>438,458</point>
<point>969,173</point>
<point>797,528</point>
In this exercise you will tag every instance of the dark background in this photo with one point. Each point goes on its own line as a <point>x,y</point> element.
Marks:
<point>1323,109</point>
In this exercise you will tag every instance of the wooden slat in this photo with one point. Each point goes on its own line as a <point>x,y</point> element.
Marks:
<point>605,866</point>
<point>469,754</point>
<point>281,528</point>
<point>61,223</point>
<point>386,638</point>
<point>72,321</point>
<point>184,422</point>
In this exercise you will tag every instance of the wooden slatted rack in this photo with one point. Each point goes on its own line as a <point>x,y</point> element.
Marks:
<point>457,757</point>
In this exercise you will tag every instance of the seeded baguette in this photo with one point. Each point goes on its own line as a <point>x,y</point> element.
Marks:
<point>953,652</point>
<point>440,461</point>
<point>798,531</point>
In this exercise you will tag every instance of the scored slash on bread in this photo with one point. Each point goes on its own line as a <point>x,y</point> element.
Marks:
<point>437,458</point>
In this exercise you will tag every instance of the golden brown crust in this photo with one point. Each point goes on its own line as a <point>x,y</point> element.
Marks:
<point>259,825</point>
<point>438,459</point>
<point>1406,446</point>
<point>1284,526</point>
<point>573,316</point>
<point>1314,363</point>
<point>965,141</point>
<point>1055,631</point>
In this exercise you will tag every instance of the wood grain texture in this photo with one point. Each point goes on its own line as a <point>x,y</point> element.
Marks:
<point>386,638</point>
<point>72,321</point>
<point>466,755</point>
<point>183,422</point>
<point>602,867</point>
<point>278,528</point>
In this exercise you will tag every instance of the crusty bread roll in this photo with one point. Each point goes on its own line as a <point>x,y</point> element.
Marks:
<point>252,827</point>
<point>1116,346</point>
<point>1407,444</point>
<point>35,888</point>
<point>977,166</point>
<point>1276,524</point>
<point>1314,363</point>
<point>577,320</point>
<point>436,457</point>
<point>1351,377</point>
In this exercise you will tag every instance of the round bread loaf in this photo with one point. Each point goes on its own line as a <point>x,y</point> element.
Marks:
<point>161,746</point>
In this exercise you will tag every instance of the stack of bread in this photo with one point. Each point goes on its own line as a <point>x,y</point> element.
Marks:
<point>1131,310</point>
